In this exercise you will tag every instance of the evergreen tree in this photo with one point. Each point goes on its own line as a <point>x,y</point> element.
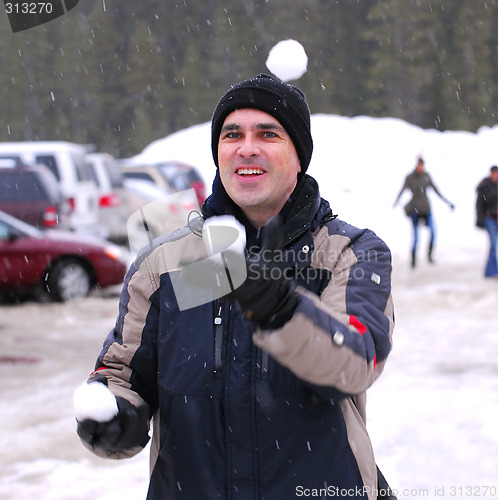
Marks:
<point>468,77</point>
<point>403,69</point>
<point>121,73</point>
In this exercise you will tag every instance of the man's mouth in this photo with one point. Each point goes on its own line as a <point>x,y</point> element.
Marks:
<point>249,171</point>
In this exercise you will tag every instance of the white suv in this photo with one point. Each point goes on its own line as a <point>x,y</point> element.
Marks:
<point>114,205</point>
<point>67,162</point>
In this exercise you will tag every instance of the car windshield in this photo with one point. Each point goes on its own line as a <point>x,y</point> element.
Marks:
<point>114,174</point>
<point>83,170</point>
<point>4,230</point>
<point>180,177</point>
<point>143,176</point>
<point>9,225</point>
<point>144,188</point>
<point>49,161</point>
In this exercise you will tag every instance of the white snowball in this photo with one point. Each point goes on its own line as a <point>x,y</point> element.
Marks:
<point>223,232</point>
<point>287,60</point>
<point>94,401</point>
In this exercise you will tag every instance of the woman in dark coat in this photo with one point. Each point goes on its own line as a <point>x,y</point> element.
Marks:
<point>419,208</point>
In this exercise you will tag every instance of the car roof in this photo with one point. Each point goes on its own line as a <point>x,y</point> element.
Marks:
<point>42,146</point>
<point>43,174</point>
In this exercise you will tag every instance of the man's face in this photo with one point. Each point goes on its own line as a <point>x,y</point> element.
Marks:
<point>494,176</point>
<point>258,163</point>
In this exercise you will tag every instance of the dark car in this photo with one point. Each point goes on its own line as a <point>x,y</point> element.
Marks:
<point>55,263</point>
<point>31,193</point>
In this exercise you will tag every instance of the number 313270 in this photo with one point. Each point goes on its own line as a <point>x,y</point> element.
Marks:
<point>28,8</point>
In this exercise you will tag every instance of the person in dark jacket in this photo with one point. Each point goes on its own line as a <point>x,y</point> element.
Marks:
<point>418,209</point>
<point>260,393</point>
<point>487,217</point>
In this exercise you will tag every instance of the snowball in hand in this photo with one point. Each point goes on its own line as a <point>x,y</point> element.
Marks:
<point>94,401</point>
<point>287,60</point>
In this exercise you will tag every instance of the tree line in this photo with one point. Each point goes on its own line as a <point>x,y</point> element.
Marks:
<point>122,73</point>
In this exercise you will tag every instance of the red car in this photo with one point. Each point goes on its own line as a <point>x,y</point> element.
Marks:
<point>60,264</point>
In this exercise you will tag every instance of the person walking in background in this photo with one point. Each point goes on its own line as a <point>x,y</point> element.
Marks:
<point>487,217</point>
<point>418,209</point>
<point>260,393</point>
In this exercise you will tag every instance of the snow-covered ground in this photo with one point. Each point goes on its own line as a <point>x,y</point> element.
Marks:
<point>433,413</point>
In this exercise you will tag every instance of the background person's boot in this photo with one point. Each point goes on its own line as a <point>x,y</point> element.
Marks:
<point>429,255</point>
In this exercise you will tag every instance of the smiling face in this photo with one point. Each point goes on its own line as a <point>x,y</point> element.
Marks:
<point>258,163</point>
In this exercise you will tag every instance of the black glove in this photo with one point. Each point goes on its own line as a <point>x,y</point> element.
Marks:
<point>480,223</point>
<point>127,430</point>
<point>267,296</point>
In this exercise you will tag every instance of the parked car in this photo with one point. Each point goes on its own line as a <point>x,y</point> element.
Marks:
<point>31,193</point>
<point>114,208</point>
<point>155,212</point>
<point>170,176</point>
<point>140,193</point>
<point>66,160</point>
<point>61,265</point>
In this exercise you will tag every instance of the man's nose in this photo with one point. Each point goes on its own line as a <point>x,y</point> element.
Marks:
<point>249,146</point>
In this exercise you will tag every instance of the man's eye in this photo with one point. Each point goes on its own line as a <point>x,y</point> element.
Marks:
<point>269,135</point>
<point>232,135</point>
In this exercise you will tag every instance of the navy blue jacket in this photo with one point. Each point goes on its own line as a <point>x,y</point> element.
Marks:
<point>243,413</point>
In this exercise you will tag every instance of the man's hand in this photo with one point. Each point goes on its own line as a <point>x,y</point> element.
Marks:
<point>127,430</point>
<point>267,296</point>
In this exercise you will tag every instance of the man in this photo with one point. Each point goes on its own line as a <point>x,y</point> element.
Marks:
<point>419,208</point>
<point>487,217</point>
<point>260,394</point>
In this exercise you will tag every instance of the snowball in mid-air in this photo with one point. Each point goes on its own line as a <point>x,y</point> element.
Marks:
<point>94,401</point>
<point>287,60</point>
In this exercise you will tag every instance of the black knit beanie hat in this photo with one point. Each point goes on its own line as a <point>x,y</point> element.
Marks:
<point>284,102</point>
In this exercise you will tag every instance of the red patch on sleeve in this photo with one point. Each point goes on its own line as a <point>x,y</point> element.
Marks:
<point>354,321</point>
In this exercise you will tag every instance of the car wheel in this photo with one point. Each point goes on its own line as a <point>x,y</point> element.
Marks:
<point>67,280</point>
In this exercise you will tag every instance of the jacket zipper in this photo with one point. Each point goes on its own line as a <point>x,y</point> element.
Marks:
<point>264,364</point>
<point>218,342</point>
<point>218,336</point>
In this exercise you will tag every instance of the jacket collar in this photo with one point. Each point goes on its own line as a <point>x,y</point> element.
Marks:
<point>304,211</point>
